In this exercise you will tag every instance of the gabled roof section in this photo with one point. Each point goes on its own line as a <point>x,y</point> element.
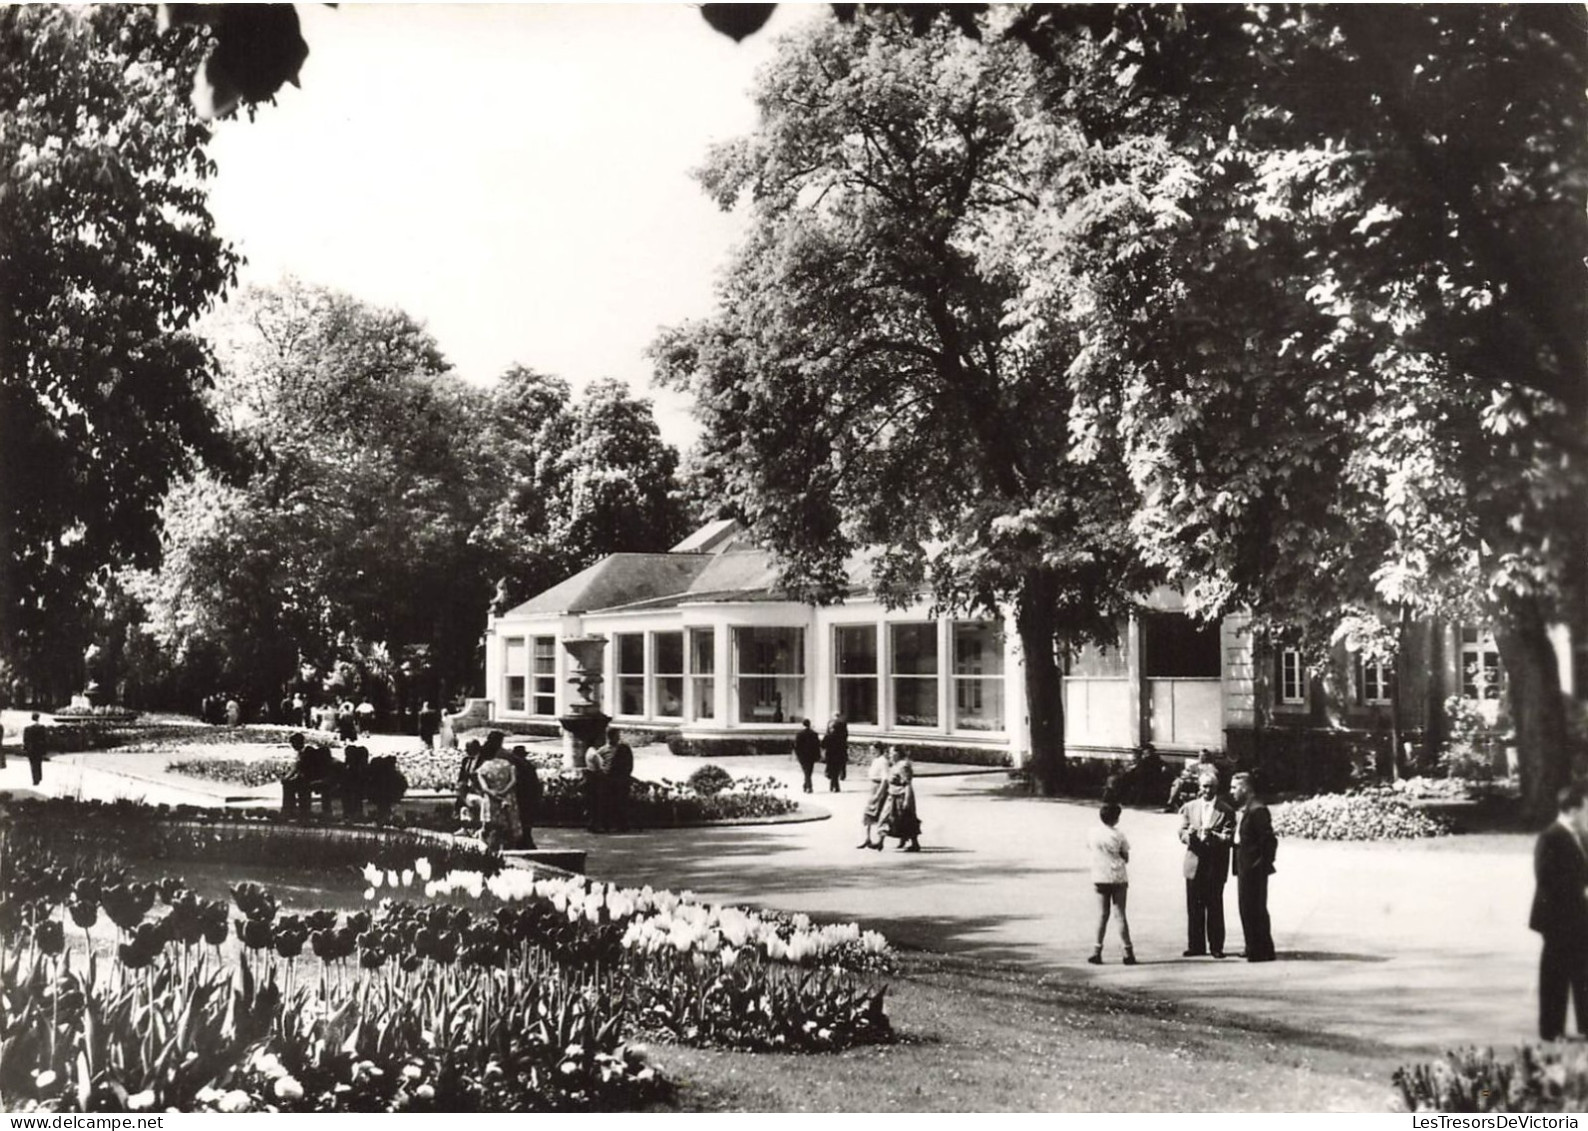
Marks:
<point>619,579</point>
<point>713,538</point>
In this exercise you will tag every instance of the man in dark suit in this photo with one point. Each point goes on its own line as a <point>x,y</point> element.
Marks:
<point>1207,827</point>
<point>1255,848</point>
<point>1560,914</point>
<point>35,742</point>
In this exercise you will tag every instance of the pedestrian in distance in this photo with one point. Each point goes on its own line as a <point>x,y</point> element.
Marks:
<point>877,775</point>
<point>1560,914</point>
<point>1255,849</point>
<point>1207,829</point>
<point>35,745</point>
<point>620,773</point>
<point>429,724</point>
<point>1109,852</point>
<point>807,751</point>
<point>530,792</point>
<point>835,749</point>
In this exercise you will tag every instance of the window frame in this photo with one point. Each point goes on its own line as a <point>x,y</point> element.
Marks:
<point>992,688</point>
<point>934,678</point>
<point>542,683</point>
<point>841,678</point>
<point>515,684</point>
<point>621,676</point>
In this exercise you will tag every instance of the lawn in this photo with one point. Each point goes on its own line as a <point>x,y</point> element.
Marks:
<point>981,1038</point>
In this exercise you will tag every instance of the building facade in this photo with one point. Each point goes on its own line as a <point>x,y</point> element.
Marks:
<point>700,641</point>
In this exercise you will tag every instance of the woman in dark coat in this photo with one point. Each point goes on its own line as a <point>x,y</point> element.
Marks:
<point>900,818</point>
<point>835,748</point>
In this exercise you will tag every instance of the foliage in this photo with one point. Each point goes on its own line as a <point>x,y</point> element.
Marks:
<point>1537,1078</point>
<point>1336,305</point>
<point>868,384</point>
<point>709,779</point>
<point>348,548</point>
<point>585,479</point>
<point>1375,813</point>
<point>107,255</point>
<point>1465,750</point>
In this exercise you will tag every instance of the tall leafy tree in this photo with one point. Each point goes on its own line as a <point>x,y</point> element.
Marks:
<point>586,478</point>
<point>1338,307</point>
<point>107,255</point>
<point>350,542</point>
<point>869,383</point>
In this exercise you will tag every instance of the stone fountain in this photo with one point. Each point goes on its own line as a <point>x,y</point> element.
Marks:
<point>585,724</point>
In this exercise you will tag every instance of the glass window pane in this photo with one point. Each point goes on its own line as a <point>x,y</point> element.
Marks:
<point>546,655</point>
<point>770,664</point>
<point>670,695</point>
<point>631,695</point>
<point>979,704</point>
<point>1180,647</point>
<point>857,699</point>
<point>669,652</point>
<point>702,651</point>
<point>515,693</point>
<point>631,653</point>
<point>856,646</point>
<point>514,656</point>
<point>705,697</point>
<point>915,702</point>
<point>978,648</point>
<point>915,649</point>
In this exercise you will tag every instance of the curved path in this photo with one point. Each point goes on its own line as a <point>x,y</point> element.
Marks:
<point>1419,944</point>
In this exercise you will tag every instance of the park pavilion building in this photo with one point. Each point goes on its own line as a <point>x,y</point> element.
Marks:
<point>701,642</point>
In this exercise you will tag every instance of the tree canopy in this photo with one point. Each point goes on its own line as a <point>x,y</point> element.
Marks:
<point>107,255</point>
<point>867,383</point>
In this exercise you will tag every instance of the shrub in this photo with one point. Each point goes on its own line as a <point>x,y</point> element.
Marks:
<point>709,780</point>
<point>1539,1078</point>
<point>1369,814</point>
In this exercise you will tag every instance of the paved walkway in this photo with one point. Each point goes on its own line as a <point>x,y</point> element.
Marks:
<point>1420,944</point>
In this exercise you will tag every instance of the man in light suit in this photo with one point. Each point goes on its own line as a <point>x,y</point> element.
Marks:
<point>1560,914</point>
<point>1255,848</point>
<point>1207,828</point>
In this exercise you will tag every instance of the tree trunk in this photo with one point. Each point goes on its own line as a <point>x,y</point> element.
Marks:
<point>1037,624</point>
<point>1537,708</point>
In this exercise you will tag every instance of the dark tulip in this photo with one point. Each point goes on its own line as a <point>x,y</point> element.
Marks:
<point>85,913</point>
<point>255,933</point>
<point>412,961</point>
<point>134,956</point>
<point>49,936</point>
<point>371,959</point>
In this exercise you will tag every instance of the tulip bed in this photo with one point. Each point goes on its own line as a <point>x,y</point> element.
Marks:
<point>464,991</point>
<point>1377,813</point>
<point>1538,1078</point>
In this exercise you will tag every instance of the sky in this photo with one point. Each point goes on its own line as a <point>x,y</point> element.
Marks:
<point>516,176</point>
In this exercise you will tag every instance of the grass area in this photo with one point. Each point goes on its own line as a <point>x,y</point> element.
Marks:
<point>982,1038</point>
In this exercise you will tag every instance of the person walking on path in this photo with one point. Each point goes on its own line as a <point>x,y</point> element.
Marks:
<point>1207,829</point>
<point>429,724</point>
<point>877,775</point>
<point>1560,914</point>
<point>1110,853</point>
<point>35,744</point>
<point>835,746</point>
<point>1255,848</point>
<point>901,819</point>
<point>807,751</point>
<point>364,715</point>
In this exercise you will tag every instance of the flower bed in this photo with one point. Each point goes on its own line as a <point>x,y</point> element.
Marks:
<point>663,804</point>
<point>494,993</point>
<point>1377,813</point>
<point>1539,1078</point>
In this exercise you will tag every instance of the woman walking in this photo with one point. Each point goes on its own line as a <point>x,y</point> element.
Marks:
<point>902,820</point>
<point>877,777</point>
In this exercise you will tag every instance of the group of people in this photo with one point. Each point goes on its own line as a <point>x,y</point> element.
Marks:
<point>608,774</point>
<point>1220,834</point>
<point>354,780</point>
<point>829,749</point>
<point>890,810</point>
<point>498,792</point>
